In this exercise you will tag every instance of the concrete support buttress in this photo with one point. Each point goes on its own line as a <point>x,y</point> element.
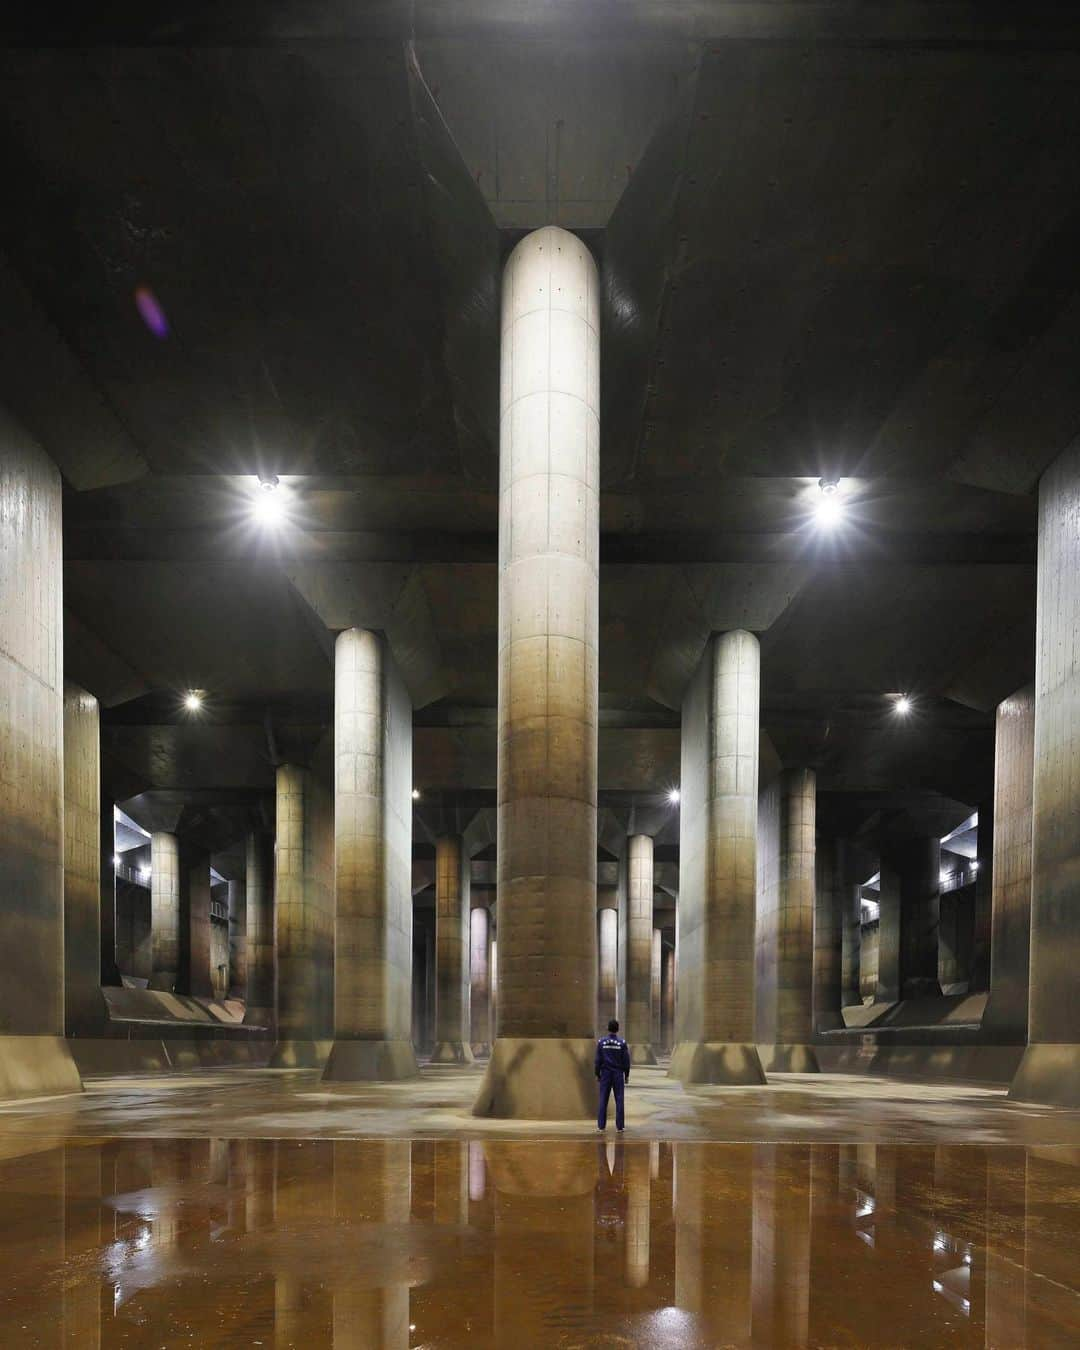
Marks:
<point>1050,1069</point>
<point>480,976</point>
<point>259,896</point>
<point>718,866</point>
<point>303,916</point>
<point>785,930</point>
<point>639,1006</point>
<point>541,1065</point>
<point>164,910</point>
<point>372,864</point>
<point>84,1007</point>
<point>34,1058</point>
<point>1005,1021</point>
<point>453,1043</point>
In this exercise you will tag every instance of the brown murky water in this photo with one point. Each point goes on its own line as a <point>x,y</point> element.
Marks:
<point>395,1243</point>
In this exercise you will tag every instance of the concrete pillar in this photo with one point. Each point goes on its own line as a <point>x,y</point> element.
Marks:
<point>541,1065</point>
<point>34,1059</point>
<point>1050,1069</point>
<point>110,971</point>
<point>480,977</point>
<point>165,909</point>
<point>303,891</point>
<point>259,897</point>
<point>667,998</point>
<point>828,933</point>
<point>657,966</point>
<point>908,927</point>
<point>982,927</point>
<point>429,985</point>
<point>237,982</point>
<point>196,960</point>
<point>84,1009</point>
<point>373,864</point>
<point>851,943</point>
<point>785,930</point>
<point>1005,1021</point>
<point>494,949</point>
<point>452,984</point>
<point>607,937</point>
<point>718,866</point>
<point>638,1028</point>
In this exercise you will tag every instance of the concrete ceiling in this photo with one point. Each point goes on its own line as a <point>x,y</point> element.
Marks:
<point>832,238</point>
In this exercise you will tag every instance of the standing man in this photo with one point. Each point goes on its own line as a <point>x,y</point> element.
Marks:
<point>613,1070</point>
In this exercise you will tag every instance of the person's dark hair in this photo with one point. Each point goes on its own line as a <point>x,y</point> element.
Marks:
<point>613,1025</point>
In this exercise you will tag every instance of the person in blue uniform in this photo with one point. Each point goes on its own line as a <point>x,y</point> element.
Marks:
<point>613,1070</point>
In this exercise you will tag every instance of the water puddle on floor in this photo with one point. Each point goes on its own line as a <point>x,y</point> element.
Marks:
<point>402,1243</point>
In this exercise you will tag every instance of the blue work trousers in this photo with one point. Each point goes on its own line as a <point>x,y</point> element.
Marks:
<point>611,1080</point>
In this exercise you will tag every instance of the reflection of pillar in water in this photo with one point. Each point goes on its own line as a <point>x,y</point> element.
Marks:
<point>1006,1254</point>
<point>82,1236</point>
<point>637,1215</point>
<point>477,1173</point>
<point>711,1237</point>
<point>451,1182</point>
<point>303,1195</point>
<point>373,1185</point>
<point>781,1244</point>
<point>544,1226</point>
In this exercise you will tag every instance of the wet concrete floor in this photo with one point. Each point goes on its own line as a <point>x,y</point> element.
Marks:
<point>561,1243</point>
<point>262,1209</point>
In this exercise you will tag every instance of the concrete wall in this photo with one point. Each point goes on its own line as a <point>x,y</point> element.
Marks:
<point>84,1009</point>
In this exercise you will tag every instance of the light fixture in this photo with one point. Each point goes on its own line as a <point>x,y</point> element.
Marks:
<point>268,506</point>
<point>193,701</point>
<point>974,864</point>
<point>144,873</point>
<point>829,508</point>
<point>673,796</point>
<point>902,705</point>
<point>416,794</point>
<point>116,859</point>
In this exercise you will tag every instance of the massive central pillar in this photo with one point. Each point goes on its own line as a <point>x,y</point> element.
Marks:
<point>718,867</point>
<point>541,1065</point>
<point>1050,1069</point>
<point>607,937</point>
<point>452,1039</point>
<point>84,1010</point>
<point>372,864</point>
<point>259,894</point>
<point>639,1003</point>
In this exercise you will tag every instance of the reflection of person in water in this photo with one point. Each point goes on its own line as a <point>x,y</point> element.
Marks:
<point>613,1070</point>
<point>610,1194</point>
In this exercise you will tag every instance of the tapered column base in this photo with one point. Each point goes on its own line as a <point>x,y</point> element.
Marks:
<point>788,1059</point>
<point>300,1054</point>
<point>642,1054</point>
<point>452,1052</point>
<point>370,1062</point>
<point>537,1078</point>
<point>481,1049</point>
<point>1048,1074</point>
<point>36,1066</point>
<point>721,1062</point>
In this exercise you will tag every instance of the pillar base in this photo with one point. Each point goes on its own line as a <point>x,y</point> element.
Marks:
<point>370,1062</point>
<point>922,986</point>
<point>163,980</point>
<point>300,1054</point>
<point>722,1062</point>
<point>452,1052</point>
<point>36,1066</point>
<point>1048,1074</point>
<point>538,1078</point>
<point>481,1049</point>
<point>642,1054</point>
<point>788,1059</point>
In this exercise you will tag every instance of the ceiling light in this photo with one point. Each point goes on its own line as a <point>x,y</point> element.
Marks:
<point>902,705</point>
<point>116,859</point>
<point>193,701</point>
<point>144,873</point>
<point>416,794</point>
<point>268,505</point>
<point>829,508</point>
<point>673,796</point>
